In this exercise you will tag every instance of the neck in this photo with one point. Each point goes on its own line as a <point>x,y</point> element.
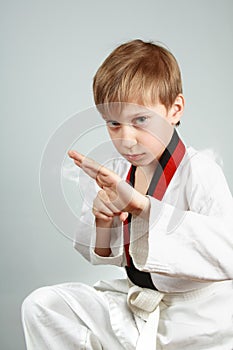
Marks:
<point>144,174</point>
<point>143,177</point>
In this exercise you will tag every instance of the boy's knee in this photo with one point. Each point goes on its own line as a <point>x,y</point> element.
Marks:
<point>36,303</point>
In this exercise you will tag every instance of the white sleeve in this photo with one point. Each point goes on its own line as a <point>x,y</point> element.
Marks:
<point>85,238</point>
<point>192,244</point>
<point>85,235</point>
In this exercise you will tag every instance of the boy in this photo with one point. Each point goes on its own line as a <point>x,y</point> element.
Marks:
<point>163,211</point>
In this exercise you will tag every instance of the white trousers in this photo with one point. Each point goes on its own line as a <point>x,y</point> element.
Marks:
<point>74,316</point>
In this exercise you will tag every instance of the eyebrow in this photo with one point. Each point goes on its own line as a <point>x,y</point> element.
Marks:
<point>131,117</point>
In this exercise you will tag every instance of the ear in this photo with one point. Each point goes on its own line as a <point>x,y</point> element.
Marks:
<point>175,112</point>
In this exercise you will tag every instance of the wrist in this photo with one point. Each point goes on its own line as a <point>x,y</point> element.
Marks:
<point>143,207</point>
<point>104,223</point>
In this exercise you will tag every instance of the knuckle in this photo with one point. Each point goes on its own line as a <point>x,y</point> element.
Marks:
<point>103,195</point>
<point>94,211</point>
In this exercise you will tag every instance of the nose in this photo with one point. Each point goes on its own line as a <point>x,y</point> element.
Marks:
<point>128,136</point>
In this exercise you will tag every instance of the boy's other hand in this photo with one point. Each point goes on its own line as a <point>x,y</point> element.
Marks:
<point>104,210</point>
<point>117,196</point>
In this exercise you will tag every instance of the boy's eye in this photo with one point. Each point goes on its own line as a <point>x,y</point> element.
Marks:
<point>113,124</point>
<point>140,121</point>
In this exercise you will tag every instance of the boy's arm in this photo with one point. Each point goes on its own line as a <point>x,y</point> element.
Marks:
<point>118,197</point>
<point>84,240</point>
<point>86,234</point>
<point>194,244</point>
<point>103,237</point>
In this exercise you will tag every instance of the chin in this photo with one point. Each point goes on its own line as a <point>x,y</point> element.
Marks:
<point>139,163</point>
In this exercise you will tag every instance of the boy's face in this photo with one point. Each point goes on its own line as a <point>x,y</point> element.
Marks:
<point>140,133</point>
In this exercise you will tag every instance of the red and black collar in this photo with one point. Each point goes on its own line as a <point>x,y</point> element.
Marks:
<point>167,166</point>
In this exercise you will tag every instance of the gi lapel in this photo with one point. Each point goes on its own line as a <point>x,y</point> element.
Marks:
<point>168,163</point>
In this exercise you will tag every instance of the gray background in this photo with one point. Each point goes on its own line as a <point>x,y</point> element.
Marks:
<point>50,51</point>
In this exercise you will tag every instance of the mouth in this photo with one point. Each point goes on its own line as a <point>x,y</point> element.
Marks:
<point>134,156</point>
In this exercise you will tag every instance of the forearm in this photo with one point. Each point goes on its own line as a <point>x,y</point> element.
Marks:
<point>183,244</point>
<point>103,237</point>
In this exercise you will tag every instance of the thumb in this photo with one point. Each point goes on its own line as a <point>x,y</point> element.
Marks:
<point>123,216</point>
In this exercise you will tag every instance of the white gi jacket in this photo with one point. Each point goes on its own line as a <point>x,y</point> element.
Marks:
<point>187,245</point>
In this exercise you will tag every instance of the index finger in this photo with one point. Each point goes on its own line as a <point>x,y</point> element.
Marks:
<point>90,166</point>
<point>77,157</point>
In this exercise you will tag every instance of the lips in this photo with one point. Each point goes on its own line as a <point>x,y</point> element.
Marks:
<point>134,156</point>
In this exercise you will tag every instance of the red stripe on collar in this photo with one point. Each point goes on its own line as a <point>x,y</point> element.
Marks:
<point>161,186</point>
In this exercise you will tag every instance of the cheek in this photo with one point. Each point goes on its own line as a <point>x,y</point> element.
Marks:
<point>116,142</point>
<point>152,144</point>
<point>113,136</point>
<point>160,132</point>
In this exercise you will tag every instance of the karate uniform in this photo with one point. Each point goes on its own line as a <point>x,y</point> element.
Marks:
<point>185,255</point>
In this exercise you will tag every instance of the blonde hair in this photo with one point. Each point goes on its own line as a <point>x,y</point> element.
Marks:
<point>138,72</point>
